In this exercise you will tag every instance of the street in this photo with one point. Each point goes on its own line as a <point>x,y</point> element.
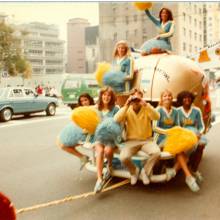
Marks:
<point>33,171</point>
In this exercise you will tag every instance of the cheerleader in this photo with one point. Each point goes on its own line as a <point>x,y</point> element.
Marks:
<point>165,24</point>
<point>71,135</point>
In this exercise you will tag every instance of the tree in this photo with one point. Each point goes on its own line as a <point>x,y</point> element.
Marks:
<point>12,59</point>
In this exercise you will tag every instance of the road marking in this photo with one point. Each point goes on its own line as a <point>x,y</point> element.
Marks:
<point>17,123</point>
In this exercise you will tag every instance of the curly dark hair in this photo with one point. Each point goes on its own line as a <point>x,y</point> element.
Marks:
<point>170,15</point>
<point>112,101</point>
<point>86,95</point>
<point>183,95</point>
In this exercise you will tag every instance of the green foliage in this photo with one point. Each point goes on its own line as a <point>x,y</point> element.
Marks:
<point>11,57</point>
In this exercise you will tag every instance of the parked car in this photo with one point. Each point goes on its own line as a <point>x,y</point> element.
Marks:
<point>24,101</point>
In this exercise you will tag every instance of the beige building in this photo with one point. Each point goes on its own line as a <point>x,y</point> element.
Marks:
<point>76,51</point>
<point>212,20</point>
<point>43,48</point>
<point>122,21</point>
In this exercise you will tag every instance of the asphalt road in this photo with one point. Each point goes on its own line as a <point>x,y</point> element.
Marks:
<point>33,170</point>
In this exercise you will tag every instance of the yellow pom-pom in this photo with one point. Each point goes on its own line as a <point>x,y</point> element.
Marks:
<point>86,118</point>
<point>101,70</point>
<point>143,5</point>
<point>179,140</point>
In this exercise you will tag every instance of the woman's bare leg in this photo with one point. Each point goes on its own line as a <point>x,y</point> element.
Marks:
<point>99,160</point>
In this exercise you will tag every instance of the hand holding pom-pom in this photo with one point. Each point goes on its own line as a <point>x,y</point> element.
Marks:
<point>179,140</point>
<point>142,5</point>
<point>100,72</point>
<point>86,118</point>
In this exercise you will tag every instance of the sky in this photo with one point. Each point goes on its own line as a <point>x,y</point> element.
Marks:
<point>51,12</point>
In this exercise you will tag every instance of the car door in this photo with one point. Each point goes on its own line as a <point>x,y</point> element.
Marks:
<point>30,100</point>
<point>18,101</point>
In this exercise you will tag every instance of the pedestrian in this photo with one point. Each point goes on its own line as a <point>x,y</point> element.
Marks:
<point>137,115</point>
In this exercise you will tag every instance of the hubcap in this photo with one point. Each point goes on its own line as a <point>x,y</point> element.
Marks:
<point>52,110</point>
<point>7,114</point>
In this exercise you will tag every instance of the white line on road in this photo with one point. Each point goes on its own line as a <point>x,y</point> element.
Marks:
<point>17,123</point>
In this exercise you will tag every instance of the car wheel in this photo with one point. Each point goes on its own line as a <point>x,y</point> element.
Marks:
<point>51,109</point>
<point>6,114</point>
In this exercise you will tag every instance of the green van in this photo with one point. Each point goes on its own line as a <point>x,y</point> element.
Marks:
<point>76,84</point>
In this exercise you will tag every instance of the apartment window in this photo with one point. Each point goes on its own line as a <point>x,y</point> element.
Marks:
<point>36,62</point>
<point>200,37</point>
<point>190,19</point>
<point>115,36</point>
<point>190,48</point>
<point>126,35</point>
<point>200,25</point>
<point>184,31</point>
<point>135,18</point>
<point>184,46</point>
<point>195,9</point>
<point>184,16</point>
<point>36,52</point>
<point>135,32</point>
<point>195,36</point>
<point>114,10</point>
<point>196,48</point>
<point>190,34</point>
<point>200,11</point>
<point>126,19</point>
<point>195,22</point>
<point>93,52</point>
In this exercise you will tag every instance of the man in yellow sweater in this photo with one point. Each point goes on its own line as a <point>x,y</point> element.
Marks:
<point>137,116</point>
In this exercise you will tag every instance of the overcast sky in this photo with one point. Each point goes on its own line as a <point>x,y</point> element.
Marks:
<point>51,12</point>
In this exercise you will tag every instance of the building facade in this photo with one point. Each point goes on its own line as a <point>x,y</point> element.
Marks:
<point>42,48</point>
<point>76,51</point>
<point>92,48</point>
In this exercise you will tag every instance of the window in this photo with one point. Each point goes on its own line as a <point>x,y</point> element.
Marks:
<point>115,36</point>
<point>184,46</point>
<point>126,35</point>
<point>184,31</point>
<point>17,93</point>
<point>195,9</point>
<point>93,52</point>
<point>135,32</point>
<point>195,22</point>
<point>190,48</point>
<point>195,36</point>
<point>126,19</point>
<point>200,37</point>
<point>200,25</point>
<point>184,16</point>
<point>190,19</point>
<point>135,18</point>
<point>190,34</point>
<point>29,92</point>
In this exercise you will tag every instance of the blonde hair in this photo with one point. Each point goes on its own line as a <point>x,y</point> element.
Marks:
<point>124,43</point>
<point>161,95</point>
